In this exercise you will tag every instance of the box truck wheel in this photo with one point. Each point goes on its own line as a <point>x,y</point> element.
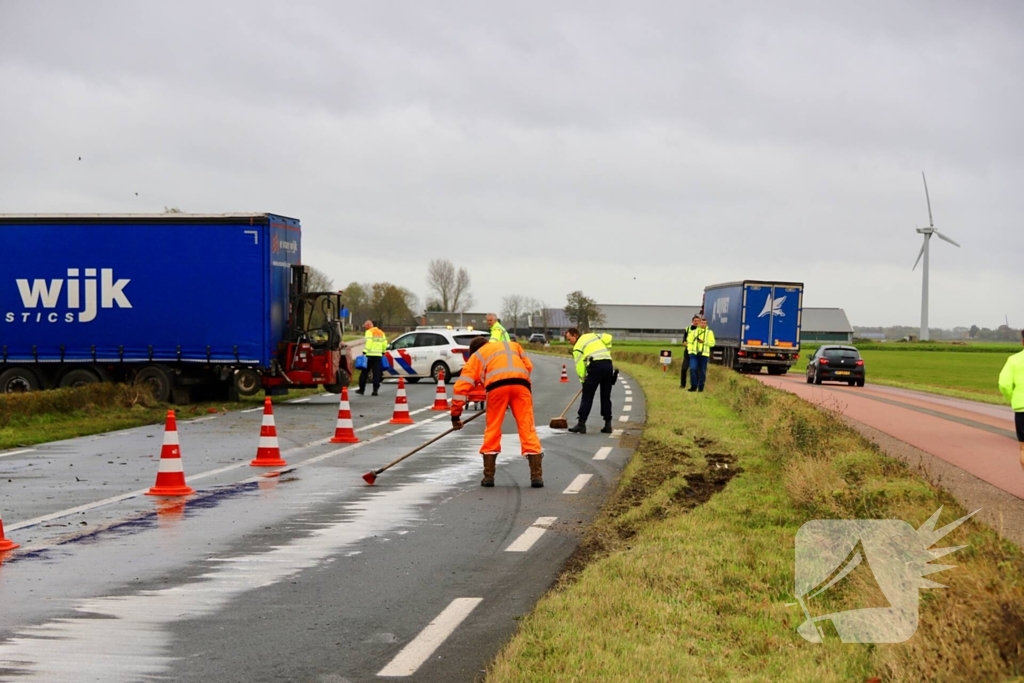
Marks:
<point>78,377</point>
<point>248,382</point>
<point>158,379</point>
<point>18,381</point>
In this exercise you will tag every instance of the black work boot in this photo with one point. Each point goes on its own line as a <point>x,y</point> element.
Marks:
<point>607,427</point>
<point>536,471</point>
<point>490,460</point>
<point>580,428</point>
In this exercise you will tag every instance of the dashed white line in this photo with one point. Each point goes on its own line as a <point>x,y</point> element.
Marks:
<point>202,419</point>
<point>616,432</point>
<point>629,399</point>
<point>578,483</point>
<point>602,453</point>
<point>252,410</point>
<point>628,392</point>
<point>627,408</point>
<point>531,535</point>
<point>624,418</point>
<point>23,450</point>
<point>300,400</point>
<point>413,655</point>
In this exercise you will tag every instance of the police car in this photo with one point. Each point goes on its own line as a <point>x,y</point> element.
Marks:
<point>429,351</point>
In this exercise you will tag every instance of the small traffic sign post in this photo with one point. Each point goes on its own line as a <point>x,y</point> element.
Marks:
<point>666,359</point>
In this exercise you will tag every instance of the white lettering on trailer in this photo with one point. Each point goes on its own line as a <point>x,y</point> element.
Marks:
<point>85,299</point>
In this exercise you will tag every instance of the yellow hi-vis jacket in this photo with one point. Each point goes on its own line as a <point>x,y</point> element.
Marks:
<point>499,333</point>
<point>1011,381</point>
<point>590,347</point>
<point>376,342</point>
<point>699,341</point>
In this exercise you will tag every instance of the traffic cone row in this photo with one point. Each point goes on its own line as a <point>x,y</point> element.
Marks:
<point>344,432</point>
<point>441,395</point>
<point>401,414</point>
<point>565,375</point>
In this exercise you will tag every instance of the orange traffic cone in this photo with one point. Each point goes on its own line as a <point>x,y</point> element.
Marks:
<point>344,433</point>
<point>565,375</point>
<point>401,414</point>
<point>441,395</point>
<point>5,544</point>
<point>170,478</point>
<point>269,452</point>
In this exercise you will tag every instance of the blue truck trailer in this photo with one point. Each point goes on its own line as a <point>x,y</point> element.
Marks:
<point>176,301</point>
<point>756,324</point>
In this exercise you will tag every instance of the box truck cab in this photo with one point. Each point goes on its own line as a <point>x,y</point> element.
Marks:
<point>756,324</point>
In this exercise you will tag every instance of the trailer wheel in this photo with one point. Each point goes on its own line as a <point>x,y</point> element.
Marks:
<point>344,380</point>
<point>158,379</point>
<point>776,370</point>
<point>79,377</point>
<point>18,381</point>
<point>247,382</point>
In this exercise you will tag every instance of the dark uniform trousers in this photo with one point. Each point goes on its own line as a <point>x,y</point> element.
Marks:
<point>600,373</point>
<point>375,365</point>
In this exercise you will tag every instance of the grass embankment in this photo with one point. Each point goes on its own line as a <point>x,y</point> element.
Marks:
<point>968,371</point>
<point>668,589</point>
<point>44,416</point>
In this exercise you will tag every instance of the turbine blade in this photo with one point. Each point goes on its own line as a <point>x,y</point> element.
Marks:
<point>943,237</point>
<point>920,254</point>
<point>928,199</point>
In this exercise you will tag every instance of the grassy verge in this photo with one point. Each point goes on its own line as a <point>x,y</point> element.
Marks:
<point>45,416</point>
<point>668,588</point>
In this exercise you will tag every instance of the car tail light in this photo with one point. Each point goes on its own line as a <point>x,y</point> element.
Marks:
<point>823,361</point>
<point>860,362</point>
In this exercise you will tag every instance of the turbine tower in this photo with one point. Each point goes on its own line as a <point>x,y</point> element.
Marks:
<point>927,232</point>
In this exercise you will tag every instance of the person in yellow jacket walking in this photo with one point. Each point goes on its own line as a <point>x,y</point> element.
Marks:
<point>374,348</point>
<point>1011,384</point>
<point>593,357</point>
<point>698,344</point>
<point>498,331</point>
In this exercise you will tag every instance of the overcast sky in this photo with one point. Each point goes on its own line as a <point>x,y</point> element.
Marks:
<point>636,151</point>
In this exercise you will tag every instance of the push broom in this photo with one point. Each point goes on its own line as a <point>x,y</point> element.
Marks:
<point>560,422</point>
<point>371,477</point>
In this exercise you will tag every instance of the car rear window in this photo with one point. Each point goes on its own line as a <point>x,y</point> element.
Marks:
<point>842,353</point>
<point>466,339</point>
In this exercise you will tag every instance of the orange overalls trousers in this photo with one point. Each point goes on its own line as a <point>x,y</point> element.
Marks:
<point>504,369</point>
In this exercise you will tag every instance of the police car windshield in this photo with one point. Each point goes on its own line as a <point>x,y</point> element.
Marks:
<point>466,338</point>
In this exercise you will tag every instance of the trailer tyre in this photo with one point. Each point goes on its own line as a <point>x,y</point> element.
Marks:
<point>344,380</point>
<point>776,370</point>
<point>79,377</point>
<point>248,382</point>
<point>18,381</point>
<point>158,379</point>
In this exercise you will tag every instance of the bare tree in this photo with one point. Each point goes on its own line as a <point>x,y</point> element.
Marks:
<point>450,288</point>
<point>583,311</point>
<point>319,281</point>
<point>512,308</point>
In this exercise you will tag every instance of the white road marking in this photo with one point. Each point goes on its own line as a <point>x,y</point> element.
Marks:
<point>629,399</point>
<point>23,450</point>
<point>252,410</point>
<point>578,483</point>
<point>624,418</point>
<point>299,400</point>
<point>628,392</point>
<point>413,655</point>
<point>602,453</point>
<point>531,535</point>
<point>627,408</point>
<point>201,419</point>
<point>616,432</point>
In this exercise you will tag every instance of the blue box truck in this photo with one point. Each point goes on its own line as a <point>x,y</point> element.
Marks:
<point>756,324</point>
<point>175,301</point>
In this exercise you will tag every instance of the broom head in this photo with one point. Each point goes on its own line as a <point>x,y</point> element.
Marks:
<point>559,423</point>
<point>370,477</point>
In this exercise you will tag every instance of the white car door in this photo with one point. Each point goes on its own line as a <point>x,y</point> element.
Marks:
<point>400,355</point>
<point>429,348</point>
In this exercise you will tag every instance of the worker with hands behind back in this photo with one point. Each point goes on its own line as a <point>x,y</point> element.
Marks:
<point>374,348</point>
<point>593,357</point>
<point>698,343</point>
<point>504,370</point>
<point>1011,384</point>
<point>498,331</point>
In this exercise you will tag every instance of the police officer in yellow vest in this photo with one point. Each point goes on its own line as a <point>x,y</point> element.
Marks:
<point>1011,384</point>
<point>498,332</point>
<point>376,345</point>
<point>698,344</point>
<point>593,357</point>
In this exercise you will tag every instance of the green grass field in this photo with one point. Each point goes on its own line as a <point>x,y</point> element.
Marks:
<point>688,573</point>
<point>964,371</point>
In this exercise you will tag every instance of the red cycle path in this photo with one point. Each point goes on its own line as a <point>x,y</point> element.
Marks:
<point>976,437</point>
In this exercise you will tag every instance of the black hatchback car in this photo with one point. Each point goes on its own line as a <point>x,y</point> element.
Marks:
<point>836,364</point>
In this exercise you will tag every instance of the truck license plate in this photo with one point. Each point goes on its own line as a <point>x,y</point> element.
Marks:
<point>842,372</point>
<point>769,355</point>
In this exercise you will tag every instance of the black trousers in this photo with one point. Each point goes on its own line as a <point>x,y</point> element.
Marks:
<point>375,365</point>
<point>600,374</point>
<point>686,366</point>
<point>1018,422</point>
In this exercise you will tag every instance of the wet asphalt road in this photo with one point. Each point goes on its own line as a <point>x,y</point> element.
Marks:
<point>307,576</point>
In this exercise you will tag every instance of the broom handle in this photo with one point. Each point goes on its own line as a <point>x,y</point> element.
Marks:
<point>422,446</point>
<point>562,416</point>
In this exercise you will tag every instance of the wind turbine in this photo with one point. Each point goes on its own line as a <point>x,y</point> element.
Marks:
<point>927,232</point>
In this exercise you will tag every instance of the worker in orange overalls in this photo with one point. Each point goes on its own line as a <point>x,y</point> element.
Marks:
<point>504,370</point>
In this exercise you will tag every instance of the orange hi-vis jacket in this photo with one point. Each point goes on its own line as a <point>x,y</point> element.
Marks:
<point>496,364</point>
